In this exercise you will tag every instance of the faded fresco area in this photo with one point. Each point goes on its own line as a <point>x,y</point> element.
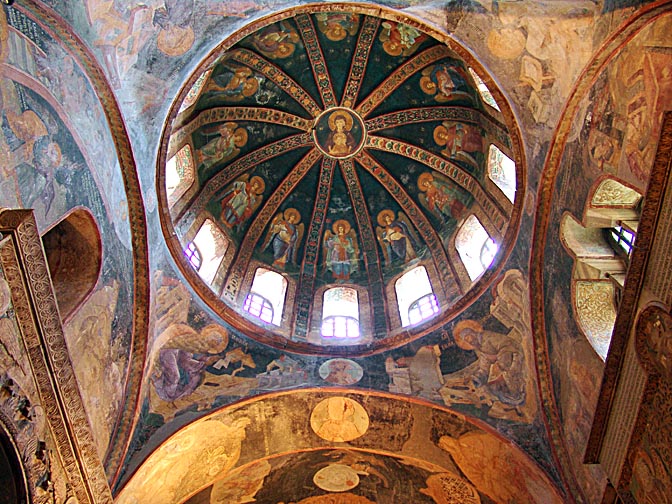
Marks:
<point>610,137</point>
<point>405,438</point>
<point>46,165</point>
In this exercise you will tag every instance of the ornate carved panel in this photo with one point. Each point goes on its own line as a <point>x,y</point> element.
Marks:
<point>42,390</point>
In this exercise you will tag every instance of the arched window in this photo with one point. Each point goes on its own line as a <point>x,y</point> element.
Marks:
<point>74,255</point>
<point>502,171</point>
<point>415,297</point>
<point>340,313</point>
<point>477,250</point>
<point>266,299</point>
<point>601,246</point>
<point>206,251</point>
<point>179,174</point>
<point>483,90</point>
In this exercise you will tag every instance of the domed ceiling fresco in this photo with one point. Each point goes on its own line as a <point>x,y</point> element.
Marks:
<point>357,184</point>
<point>352,282</point>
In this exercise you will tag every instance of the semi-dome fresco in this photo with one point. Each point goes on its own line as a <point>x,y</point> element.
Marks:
<point>340,179</point>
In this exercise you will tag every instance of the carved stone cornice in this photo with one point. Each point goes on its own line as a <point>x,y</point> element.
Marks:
<point>25,268</point>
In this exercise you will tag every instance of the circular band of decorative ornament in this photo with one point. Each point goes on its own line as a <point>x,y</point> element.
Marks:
<point>336,179</point>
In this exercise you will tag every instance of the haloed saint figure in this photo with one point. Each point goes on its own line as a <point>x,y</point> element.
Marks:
<point>341,252</point>
<point>339,133</point>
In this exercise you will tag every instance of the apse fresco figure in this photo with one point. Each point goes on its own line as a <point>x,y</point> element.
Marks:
<point>341,252</point>
<point>396,237</point>
<point>277,41</point>
<point>461,142</point>
<point>445,82</point>
<point>284,237</point>
<point>241,199</point>
<point>233,83</point>
<point>337,25</point>
<point>439,197</point>
<point>223,143</point>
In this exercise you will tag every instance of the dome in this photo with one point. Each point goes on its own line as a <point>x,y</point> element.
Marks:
<point>347,179</point>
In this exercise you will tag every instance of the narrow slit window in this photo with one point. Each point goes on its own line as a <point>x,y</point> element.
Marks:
<point>211,245</point>
<point>340,313</point>
<point>415,297</point>
<point>483,90</point>
<point>476,248</point>
<point>179,174</point>
<point>266,299</point>
<point>502,171</point>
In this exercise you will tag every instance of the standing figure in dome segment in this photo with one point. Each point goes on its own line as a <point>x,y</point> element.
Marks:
<point>241,199</point>
<point>439,197</point>
<point>284,236</point>
<point>341,253</point>
<point>396,237</point>
<point>340,141</point>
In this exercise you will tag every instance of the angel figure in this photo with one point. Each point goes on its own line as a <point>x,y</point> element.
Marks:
<point>400,39</point>
<point>241,199</point>
<point>277,41</point>
<point>337,25</point>
<point>234,83</point>
<point>226,144</point>
<point>341,252</point>
<point>445,81</point>
<point>396,237</point>
<point>439,197</point>
<point>284,236</point>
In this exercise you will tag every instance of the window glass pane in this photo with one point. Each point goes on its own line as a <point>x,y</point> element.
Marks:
<point>341,301</point>
<point>476,248</point>
<point>212,244</point>
<point>259,307</point>
<point>502,171</point>
<point>411,287</point>
<point>179,174</point>
<point>422,309</point>
<point>271,286</point>
<point>483,90</point>
<point>340,313</point>
<point>193,255</point>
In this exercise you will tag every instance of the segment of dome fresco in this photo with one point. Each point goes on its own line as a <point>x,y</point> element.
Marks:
<point>341,149</point>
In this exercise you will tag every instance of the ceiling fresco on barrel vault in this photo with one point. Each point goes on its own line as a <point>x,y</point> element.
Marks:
<point>339,149</point>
